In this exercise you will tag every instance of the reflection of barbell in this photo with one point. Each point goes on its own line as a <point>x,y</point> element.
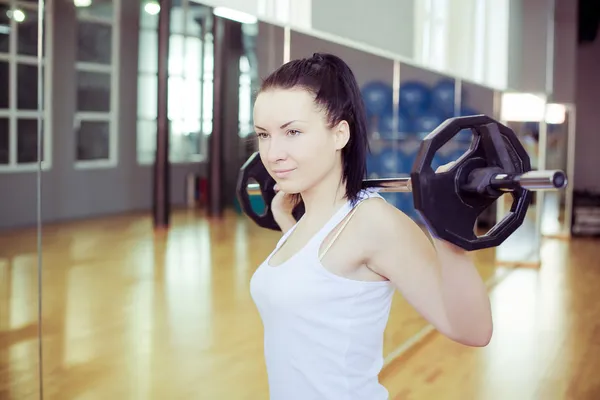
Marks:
<point>449,202</point>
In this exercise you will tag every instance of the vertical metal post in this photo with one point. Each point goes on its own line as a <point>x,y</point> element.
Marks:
<point>570,169</point>
<point>215,204</point>
<point>457,97</point>
<point>161,178</point>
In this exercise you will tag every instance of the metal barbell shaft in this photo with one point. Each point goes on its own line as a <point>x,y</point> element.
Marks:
<point>532,180</point>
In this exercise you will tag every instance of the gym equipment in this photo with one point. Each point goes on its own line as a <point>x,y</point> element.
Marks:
<point>427,121</point>
<point>415,98</point>
<point>442,97</point>
<point>386,127</point>
<point>449,202</point>
<point>378,97</point>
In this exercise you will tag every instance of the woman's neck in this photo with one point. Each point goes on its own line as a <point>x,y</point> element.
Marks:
<point>323,199</point>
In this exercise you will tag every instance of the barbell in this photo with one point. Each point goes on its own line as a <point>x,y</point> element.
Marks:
<point>448,202</point>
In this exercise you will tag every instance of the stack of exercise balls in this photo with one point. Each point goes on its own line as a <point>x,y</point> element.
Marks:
<point>396,136</point>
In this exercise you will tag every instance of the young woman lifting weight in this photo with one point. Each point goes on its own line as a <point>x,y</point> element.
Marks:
<point>324,293</point>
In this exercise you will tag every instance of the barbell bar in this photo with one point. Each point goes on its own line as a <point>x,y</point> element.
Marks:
<point>532,180</point>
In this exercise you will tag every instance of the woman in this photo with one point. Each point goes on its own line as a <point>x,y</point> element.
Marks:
<point>324,293</point>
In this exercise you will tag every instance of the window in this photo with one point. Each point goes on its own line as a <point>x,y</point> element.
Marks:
<point>431,33</point>
<point>21,120</point>
<point>96,118</point>
<point>465,38</point>
<point>190,86</point>
<point>246,126</point>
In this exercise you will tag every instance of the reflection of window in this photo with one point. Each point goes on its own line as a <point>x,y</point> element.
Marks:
<point>466,38</point>
<point>190,80</point>
<point>20,114</point>
<point>245,109</point>
<point>432,25</point>
<point>95,122</point>
<point>297,13</point>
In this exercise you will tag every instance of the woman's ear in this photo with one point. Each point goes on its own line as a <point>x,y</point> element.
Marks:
<point>342,135</point>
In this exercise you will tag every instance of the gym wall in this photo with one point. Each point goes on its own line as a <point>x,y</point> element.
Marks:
<point>386,24</point>
<point>588,119</point>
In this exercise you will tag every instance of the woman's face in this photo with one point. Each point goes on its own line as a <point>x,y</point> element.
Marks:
<point>295,143</point>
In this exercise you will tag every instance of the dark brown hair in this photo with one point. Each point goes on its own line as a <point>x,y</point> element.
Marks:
<point>334,86</point>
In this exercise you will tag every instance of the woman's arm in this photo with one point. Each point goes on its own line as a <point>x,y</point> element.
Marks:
<point>282,207</point>
<point>439,280</point>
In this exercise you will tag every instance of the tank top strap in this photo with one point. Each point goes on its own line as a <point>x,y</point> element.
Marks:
<point>339,216</point>
<point>285,236</point>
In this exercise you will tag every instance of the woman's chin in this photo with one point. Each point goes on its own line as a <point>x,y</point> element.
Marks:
<point>289,187</point>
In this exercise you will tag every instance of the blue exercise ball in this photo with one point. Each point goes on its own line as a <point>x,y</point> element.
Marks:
<point>372,165</point>
<point>466,111</point>
<point>390,162</point>
<point>386,127</point>
<point>378,98</point>
<point>408,159</point>
<point>415,97</point>
<point>427,122</point>
<point>442,97</point>
<point>405,123</point>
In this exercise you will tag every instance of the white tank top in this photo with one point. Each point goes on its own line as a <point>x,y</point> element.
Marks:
<point>323,333</point>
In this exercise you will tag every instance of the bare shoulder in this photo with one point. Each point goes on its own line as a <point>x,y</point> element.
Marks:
<point>380,218</point>
<point>385,229</point>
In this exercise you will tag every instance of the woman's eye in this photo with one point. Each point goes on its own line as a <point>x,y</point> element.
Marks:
<point>293,132</point>
<point>261,135</point>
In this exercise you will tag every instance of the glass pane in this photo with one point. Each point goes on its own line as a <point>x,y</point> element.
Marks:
<point>177,20</point>
<point>94,42</point>
<point>4,29</point>
<point>93,140</point>
<point>27,142</point>
<point>27,87</point>
<point>148,51</point>
<point>102,9</point>
<point>4,80</point>
<point>184,98</point>
<point>146,140</point>
<point>193,57</point>
<point>186,140</point>
<point>176,55</point>
<point>149,15</point>
<point>207,106</point>
<point>27,34</point>
<point>147,96</point>
<point>192,98</point>
<point>93,91</point>
<point>209,61</point>
<point>196,17</point>
<point>4,141</point>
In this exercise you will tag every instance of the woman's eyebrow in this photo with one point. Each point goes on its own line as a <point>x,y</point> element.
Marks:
<point>281,127</point>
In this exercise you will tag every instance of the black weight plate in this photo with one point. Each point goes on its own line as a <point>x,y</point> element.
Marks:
<point>253,168</point>
<point>451,213</point>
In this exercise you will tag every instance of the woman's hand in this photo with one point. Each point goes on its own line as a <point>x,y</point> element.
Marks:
<point>282,202</point>
<point>282,207</point>
<point>445,167</point>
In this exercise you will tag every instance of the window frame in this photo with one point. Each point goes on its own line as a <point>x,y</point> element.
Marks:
<point>13,113</point>
<point>205,78</point>
<point>112,116</point>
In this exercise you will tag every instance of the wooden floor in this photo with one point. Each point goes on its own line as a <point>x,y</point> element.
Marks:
<point>131,314</point>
